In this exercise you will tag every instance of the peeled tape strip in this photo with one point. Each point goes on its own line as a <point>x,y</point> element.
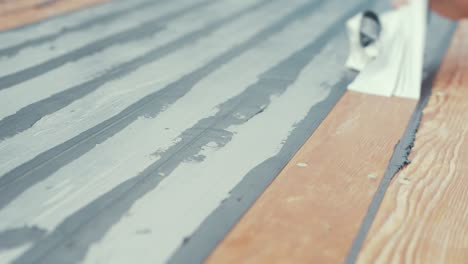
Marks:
<point>392,64</point>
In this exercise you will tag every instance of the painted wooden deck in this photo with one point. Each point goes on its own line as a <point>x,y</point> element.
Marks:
<point>143,130</point>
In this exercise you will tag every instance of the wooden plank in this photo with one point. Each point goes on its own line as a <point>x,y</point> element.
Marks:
<point>10,6</point>
<point>207,111</point>
<point>305,215</point>
<point>423,218</point>
<point>25,13</point>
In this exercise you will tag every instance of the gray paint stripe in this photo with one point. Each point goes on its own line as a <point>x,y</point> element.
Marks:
<point>15,182</point>
<point>438,41</point>
<point>141,31</point>
<point>14,238</point>
<point>13,50</point>
<point>123,196</point>
<point>27,116</point>
<point>20,179</point>
<point>196,248</point>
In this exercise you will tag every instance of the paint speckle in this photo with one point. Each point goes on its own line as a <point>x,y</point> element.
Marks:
<point>293,199</point>
<point>261,110</point>
<point>212,144</point>
<point>196,158</point>
<point>302,164</point>
<point>186,240</point>
<point>404,181</point>
<point>156,156</point>
<point>372,176</point>
<point>239,116</point>
<point>144,231</point>
<point>70,244</point>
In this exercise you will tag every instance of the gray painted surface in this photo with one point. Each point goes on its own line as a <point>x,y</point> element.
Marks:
<point>148,142</point>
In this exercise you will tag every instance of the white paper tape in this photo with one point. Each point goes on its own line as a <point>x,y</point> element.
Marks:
<point>392,65</point>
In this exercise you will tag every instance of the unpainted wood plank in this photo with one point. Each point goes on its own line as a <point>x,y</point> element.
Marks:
<point>9,6</point>
<point>41,10</point>
<point>313,209</point>
<point>424,215</point>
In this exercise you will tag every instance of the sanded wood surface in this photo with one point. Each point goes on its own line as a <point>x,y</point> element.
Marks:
<point>10,6</point>
<point>424,216</point>
<point>305,215</point>
<point>17,13</point>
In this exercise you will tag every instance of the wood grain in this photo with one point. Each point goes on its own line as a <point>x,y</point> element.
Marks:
<point>10,6</point>
<point>313,209</point>
<point>18,13</point>
<point>424,215</point>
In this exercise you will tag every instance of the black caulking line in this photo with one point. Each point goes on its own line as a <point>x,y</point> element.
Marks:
<point>13,50</point>
<point>129,35</point>
<point>73,237</point>
<point>14,238</point>
<point>45,164</point>
<point>438,41</point>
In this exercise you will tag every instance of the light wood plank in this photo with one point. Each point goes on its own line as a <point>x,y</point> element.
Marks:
<point>306,216</point>
<point>40,11</point>
<point>8,6</point>
<point>424,215</point>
